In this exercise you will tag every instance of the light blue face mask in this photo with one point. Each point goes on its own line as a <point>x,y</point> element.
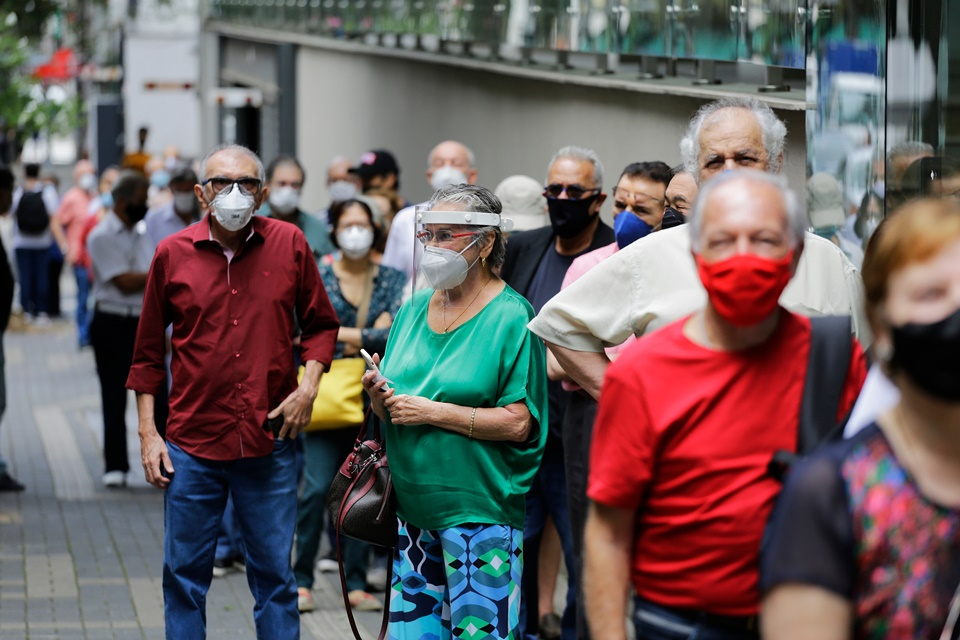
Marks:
<point>160,178</point>
<point>106,199</point>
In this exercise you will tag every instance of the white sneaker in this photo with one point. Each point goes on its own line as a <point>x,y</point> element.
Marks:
<point>114,479</point>
<point>328,565</point>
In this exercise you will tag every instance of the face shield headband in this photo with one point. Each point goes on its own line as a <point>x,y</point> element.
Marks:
<point>441,267</point>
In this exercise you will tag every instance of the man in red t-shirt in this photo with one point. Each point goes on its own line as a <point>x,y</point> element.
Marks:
<point>678,472</point>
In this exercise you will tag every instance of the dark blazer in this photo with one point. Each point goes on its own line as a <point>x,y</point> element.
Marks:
<point>525,250</point>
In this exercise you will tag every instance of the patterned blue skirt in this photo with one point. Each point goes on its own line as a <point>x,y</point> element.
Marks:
<point>462,582</point>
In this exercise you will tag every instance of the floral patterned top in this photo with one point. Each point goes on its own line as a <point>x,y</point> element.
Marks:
<point>387,295</point>
<point>852,520</point>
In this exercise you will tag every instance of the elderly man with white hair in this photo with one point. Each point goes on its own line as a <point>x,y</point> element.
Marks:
<point>679,483</point>
<point>654,281</point>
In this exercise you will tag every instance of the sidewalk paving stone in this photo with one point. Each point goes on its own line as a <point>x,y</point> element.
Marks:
<point>80,562</point>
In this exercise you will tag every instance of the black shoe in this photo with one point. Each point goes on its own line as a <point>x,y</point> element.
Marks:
<point>549,627</point>
<point>9,483</point>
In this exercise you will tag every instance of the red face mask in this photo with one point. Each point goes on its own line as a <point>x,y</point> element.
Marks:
<point>745,289</point>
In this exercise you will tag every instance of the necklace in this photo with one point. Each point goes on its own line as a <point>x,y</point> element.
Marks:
<point>443,306</point>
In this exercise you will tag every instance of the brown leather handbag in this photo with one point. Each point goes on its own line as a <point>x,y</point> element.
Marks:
<point>362,506</point>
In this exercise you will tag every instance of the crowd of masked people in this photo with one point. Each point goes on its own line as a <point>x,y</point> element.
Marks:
<point>734,414</point>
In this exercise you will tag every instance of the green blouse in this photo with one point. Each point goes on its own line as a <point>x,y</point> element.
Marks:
<point>442,478</point>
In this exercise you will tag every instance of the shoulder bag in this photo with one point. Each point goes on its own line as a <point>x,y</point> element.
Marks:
<point>362,505</point>
<point>339,401</point>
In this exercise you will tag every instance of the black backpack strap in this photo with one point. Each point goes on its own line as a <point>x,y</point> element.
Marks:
<point>827,367</point>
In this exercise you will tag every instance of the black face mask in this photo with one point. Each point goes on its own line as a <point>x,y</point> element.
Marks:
<point>570,217</point>
<point>136,212</point>
<point>930,356</point>
<point>672,218</point>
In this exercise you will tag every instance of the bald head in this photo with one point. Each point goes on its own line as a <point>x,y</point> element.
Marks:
<point>233,162</point>
<point>232,154</point>
<point>451,153</point>
<point>339,169</point>
<point>734,208</point>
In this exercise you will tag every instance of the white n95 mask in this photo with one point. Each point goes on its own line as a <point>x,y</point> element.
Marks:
<point>342,190</point>
<point>355,242</point>
<point>445,268</point>
<point>233,208</point>
<point>284,200</point>
<point>446,176</point>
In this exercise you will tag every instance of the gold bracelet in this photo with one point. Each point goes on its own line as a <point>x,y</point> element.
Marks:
<point>473,416</point>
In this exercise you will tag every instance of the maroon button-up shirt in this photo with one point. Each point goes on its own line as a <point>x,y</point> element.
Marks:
<point>233,327</point>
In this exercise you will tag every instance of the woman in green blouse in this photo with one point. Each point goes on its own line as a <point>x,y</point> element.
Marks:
<point>464,409</point>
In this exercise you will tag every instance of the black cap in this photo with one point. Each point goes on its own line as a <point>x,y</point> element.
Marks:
<point>378,162</point>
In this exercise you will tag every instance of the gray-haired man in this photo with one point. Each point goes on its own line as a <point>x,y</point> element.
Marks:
<point>536,264</point>
<point>231,286</point>
<point>654,281</point>
<point>680,490</point>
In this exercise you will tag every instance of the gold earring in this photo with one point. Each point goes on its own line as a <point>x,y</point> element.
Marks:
<point>483,262</point>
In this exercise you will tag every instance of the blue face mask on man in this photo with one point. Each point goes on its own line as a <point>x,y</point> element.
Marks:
<point>629,228</point>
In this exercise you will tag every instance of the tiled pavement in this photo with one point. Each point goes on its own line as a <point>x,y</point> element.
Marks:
<point>81,562</point>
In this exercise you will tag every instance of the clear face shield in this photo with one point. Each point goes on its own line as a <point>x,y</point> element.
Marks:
<point>448,248</point>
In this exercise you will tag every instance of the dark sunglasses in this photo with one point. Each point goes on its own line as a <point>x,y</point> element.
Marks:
<point>248,186</point>
<point>574,191</point>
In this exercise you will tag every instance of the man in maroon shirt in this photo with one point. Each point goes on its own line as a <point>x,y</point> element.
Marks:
<point>679,478</point>
<point>231,286</point>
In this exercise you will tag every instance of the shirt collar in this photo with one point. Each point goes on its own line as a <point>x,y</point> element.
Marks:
<point>203,233</point>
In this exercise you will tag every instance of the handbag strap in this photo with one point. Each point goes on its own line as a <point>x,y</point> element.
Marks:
<point>364,309</point>
<point>384,622</point>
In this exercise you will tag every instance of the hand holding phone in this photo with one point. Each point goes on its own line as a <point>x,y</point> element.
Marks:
<point>373,367</point>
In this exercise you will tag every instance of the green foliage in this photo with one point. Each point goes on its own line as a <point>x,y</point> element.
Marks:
<point>23,102</point>
<point>32,15</point>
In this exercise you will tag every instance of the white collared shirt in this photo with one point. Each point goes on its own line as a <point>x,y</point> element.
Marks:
<point>654,282</point>
<point>114,250</point>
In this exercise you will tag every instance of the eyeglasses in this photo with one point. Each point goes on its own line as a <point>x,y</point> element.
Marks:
<point>574,191</point>
<point>443,236</point>
<point>248,186</point>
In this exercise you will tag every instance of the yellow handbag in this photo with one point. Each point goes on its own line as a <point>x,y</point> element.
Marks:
<point>339,402</point>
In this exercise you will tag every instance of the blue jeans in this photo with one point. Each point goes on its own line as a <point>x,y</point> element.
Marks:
<point>324,452</point>
<point>547,497</point>
<point>229,535</point>
<point>82,275</point>
<point>264,492</point>
<point>33,266</point>
<point>653,622</point>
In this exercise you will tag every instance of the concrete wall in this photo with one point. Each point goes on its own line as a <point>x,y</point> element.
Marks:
<point>172,109</point>
<point>348,103</point>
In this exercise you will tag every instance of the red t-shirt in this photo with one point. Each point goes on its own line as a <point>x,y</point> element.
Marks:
<point>684,435</point>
